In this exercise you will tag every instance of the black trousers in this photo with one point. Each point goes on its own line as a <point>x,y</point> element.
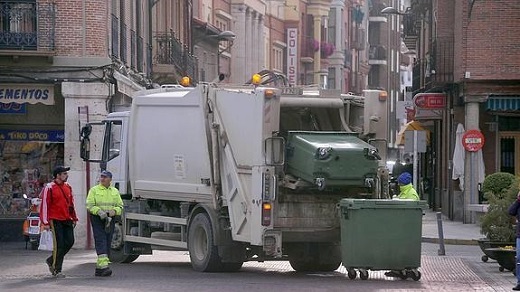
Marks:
<point>63,233</point>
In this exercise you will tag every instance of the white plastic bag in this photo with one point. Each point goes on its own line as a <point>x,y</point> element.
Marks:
<point>46,241</point>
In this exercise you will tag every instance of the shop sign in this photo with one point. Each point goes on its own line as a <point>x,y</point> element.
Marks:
<point>430,100</point>
<point>292,55</point>
<point>27,93</point>
<point>13,108</point>
<point>32,135</point>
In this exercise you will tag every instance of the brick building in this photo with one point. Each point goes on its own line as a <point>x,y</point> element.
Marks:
<point>65,62</point>
<point>467,50</point>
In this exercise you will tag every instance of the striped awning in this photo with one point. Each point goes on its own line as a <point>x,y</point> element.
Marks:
<point>503,103</point>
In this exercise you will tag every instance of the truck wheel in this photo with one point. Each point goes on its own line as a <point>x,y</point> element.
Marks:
<point>231,267</point>
<point>316,257</point>
<point>203,251</point>
<point>300,265</point>
<point>117,250</point>
<point>313,265</point>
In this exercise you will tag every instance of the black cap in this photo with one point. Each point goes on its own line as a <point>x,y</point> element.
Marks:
<point>106,173</point>
<point>59,169</point>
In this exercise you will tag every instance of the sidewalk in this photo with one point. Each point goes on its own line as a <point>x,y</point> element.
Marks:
<point>454,232</point>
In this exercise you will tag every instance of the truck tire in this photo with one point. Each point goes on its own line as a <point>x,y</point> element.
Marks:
<point>117,250</point>
<point>316,257</point>
<point>231,267</point>
<point>203,251</point>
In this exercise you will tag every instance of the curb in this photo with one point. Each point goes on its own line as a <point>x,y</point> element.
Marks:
<point>451,241</point>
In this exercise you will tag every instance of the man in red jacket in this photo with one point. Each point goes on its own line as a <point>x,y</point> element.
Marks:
<point>58,214</point>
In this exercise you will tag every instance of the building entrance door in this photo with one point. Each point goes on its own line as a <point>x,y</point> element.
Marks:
<point>510,152</point>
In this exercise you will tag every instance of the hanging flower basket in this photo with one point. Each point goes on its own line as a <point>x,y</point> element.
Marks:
<point>314,45</point>
<point>327,49</point>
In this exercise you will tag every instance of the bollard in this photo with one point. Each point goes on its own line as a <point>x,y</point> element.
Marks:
<point>441,250</point>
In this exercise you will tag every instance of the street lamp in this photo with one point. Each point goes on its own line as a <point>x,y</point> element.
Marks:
<point>224,36</point>
<point>391,10</point>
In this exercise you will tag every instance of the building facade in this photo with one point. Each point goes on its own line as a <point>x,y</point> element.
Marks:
<point>65,63</point>
<point>465,50</point>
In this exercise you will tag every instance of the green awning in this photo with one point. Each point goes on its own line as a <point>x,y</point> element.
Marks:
<point>503,103</point>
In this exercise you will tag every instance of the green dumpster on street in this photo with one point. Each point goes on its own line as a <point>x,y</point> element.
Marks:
<point>381,235</point>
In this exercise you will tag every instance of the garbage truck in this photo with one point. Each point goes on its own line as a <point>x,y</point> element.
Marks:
<point>238,173</point>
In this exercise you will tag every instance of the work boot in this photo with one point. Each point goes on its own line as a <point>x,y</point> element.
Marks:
<point>105,272</point>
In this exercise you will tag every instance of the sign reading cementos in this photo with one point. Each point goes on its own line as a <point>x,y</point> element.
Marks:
<point>27,93</point>
<point>32,135</point>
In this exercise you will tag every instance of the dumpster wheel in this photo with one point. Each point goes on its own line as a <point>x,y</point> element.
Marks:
<point>363,274</point>
<point>414,274</point>
<point>351,273</point>
<point>485,258</point>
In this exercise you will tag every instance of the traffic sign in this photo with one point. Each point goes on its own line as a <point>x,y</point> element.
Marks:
<point>473,140</point>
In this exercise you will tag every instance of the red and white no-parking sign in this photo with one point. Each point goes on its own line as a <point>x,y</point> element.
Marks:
<point>473,140</point>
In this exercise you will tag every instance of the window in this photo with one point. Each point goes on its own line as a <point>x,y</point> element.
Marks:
<point>114,142</point>
<point>277,59</point>
<point>332,26</point>
<point>331,79</point>
<point>18,25</point>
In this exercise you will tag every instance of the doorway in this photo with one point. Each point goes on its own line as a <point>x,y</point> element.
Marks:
<point>510,152</point>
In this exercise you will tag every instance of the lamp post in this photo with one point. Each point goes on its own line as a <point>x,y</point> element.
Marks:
<point>393,11</point>
<point>224,36</point>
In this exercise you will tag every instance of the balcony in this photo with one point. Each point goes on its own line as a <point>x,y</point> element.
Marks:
<point>442,62</point>
<point>411,25</point>
<point>435,70</point>
<point>309,47</point>
<point>27,28</point>
<point>358,39</point>
<point>377,55</point>
<point>375,14</point>
<point>170,51</point>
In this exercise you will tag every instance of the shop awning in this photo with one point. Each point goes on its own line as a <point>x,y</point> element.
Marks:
<point>411,126</point>
<point>503,103</point>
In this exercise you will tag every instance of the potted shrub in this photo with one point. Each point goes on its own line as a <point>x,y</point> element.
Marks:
<point>500,190</point>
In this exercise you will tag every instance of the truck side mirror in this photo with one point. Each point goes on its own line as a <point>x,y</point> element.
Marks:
<point>274,148</point>
<point>85,142</point>
<point>85,149</point>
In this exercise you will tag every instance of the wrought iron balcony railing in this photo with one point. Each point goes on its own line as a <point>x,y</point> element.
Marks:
<point>171,51</point>
<point>27,25</point>
<point>442,62</point>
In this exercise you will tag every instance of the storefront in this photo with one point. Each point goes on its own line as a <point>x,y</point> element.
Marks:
<point>31,143</point>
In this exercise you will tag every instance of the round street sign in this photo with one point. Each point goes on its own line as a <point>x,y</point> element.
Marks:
<point>473,140</point>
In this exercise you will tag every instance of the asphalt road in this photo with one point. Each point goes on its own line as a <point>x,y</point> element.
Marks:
<point>460,270</point>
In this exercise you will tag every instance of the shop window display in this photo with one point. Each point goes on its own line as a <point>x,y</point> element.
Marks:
<point>25,167</point>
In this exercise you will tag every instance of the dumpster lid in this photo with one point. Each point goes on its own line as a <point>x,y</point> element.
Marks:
<point>382,204</point>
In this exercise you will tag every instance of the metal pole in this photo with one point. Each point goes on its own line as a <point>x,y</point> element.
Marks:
<point>442,250</point>
<point>472,186</point>
<point>415,159</point>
